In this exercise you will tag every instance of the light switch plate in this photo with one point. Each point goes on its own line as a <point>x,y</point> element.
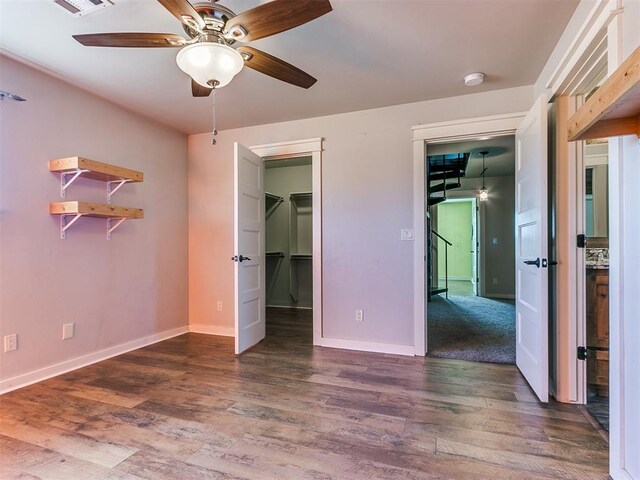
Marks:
<point>406,234</point>
<point>67,331</point>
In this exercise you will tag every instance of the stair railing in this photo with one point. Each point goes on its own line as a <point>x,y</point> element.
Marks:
<point>447,244</point>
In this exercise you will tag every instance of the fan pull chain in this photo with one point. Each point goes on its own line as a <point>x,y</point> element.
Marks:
<point>215,130</point>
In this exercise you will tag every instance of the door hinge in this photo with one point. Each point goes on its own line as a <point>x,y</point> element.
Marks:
<point>582,353</point>
<point>581,240</point>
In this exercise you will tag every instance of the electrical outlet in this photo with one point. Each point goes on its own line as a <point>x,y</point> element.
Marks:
<point>359,315</point>
<point>219,305</point>
<point>67,331</point>
<point>495,280</point>
<point>10,343</point>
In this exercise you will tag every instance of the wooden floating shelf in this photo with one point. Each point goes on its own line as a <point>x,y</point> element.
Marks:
<point>89,209</point>
<point>614,109</point>
<point>95,170</point>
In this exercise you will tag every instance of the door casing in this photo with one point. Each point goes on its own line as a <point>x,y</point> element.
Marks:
<point>466,129</point>
<point>311,147</point>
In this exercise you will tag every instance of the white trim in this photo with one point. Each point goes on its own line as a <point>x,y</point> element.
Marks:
<point>212,330</point>
<point>30,378</point>
<point>591,33</point>
<point>505,296</point>
<point>283,149</point>
<point>308,147</point>
<point>419,249</point>
<point>367,346</point>
<point>496,125</point>
<point>457,278</point>
<point>619,234</point>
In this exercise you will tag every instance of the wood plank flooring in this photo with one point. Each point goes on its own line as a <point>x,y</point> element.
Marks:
<point>188,408</point>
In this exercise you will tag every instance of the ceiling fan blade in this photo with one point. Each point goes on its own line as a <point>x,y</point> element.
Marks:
<point>276,68</point>
<point>275,17</point>
<point>198,90</point>
<point>130,40</point>
<point>184,11</point>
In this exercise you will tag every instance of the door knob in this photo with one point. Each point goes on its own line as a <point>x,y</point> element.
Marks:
<point>535,262</point>
<point>239,258</point>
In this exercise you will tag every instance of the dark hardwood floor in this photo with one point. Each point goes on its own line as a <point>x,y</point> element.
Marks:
<point>188,408</point>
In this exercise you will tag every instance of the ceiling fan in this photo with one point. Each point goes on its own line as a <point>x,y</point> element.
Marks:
<point>207,56</point>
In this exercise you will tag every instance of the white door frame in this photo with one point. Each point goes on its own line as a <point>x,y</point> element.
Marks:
<point>311,147</point>
<point>472,196</point>
<point>494,126</point>
<point>604,21</point>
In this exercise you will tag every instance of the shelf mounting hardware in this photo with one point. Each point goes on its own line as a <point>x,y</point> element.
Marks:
<point>64,225</point>
<point>64,183</point>
<point>111,228</point>
<point>118,183</point>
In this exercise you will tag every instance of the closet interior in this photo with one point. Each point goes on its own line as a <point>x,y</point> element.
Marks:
<point>289,235</point>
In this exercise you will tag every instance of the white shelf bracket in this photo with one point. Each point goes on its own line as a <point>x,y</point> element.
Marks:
<point>111,189</point>
<point>64,225</point>
<point>110,228</point>
<point>64,183</point>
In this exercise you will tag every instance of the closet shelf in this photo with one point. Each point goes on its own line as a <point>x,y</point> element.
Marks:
<point>271,203</point>
<point>275,254</point>
<point>72,168</point>
<point>89,209</point>
<point>301,198</point>
<point>270,197</point>
<point>300,256</point>
<point>614,109</point>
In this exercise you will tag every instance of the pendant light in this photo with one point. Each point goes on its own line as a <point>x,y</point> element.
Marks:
<point>484,193</point>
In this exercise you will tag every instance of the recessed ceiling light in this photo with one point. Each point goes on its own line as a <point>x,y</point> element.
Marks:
<point>474,79</point>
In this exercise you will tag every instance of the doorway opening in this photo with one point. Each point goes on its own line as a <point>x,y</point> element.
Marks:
<point>455,230</point>
<point>288,250</point>
<point>471,249</point>
<point>596,291</point>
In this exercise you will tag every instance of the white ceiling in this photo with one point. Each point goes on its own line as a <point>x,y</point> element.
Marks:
<point>500,160</point>
<point>365,54</point>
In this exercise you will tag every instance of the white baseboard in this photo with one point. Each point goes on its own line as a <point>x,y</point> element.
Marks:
<point>212,330</point>
<point>506,296</point>
<point>58,369</point>
<point>367,346</point>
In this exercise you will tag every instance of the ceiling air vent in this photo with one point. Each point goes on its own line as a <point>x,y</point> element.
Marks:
<point>80,8</point>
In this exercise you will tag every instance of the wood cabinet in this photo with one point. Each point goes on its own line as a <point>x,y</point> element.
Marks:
<point>597,294</point>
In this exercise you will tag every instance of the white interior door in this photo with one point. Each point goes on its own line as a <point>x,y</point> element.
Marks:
<point>248,248</point>
<point>532,300</point>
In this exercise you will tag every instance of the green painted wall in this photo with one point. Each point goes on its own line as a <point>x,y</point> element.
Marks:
<point>455,224</point>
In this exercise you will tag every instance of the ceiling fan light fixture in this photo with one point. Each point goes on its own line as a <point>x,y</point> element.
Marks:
<point>208,62</point>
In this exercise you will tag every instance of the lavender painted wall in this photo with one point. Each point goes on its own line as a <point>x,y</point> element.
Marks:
<point>116,291</point>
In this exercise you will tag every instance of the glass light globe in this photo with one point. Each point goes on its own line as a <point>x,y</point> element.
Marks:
<point>484,194</point>
<point>206,62</point>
